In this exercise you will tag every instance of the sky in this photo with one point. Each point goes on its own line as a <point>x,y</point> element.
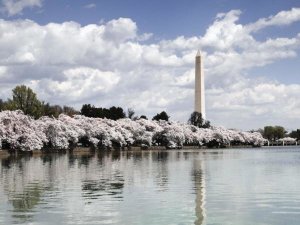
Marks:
<point>140,54</point>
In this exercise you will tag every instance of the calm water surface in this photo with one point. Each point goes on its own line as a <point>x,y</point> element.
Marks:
<point>224,187</point>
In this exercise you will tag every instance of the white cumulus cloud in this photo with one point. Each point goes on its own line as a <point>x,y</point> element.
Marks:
<point>281,18</point>
<point>13,7</point>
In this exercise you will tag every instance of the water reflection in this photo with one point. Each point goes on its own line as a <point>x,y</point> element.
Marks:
<point>161,172</point>
<point>95,189</point>
<point>197,177</point>
<point>25,202</point>
<point>152,187</point>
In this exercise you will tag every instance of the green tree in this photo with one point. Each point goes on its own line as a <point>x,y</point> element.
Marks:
<point>25,99</point>
<point>161,116</point>
<point>197,120</point>
<point>268,133</point>
<point>273,133</point>
<point>279,132</point>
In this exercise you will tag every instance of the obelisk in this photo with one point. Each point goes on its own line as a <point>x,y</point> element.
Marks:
<point>199,85</point>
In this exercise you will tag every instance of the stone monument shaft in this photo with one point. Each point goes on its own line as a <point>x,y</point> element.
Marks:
<point>199,85</point>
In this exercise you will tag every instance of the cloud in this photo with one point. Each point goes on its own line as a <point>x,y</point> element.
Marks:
<point>14,7</point>
<point>90,6</point>
<point>120,30</point>
<point>78,84</point>
<point>268,102</point>
<point>281,18</point>
<point>110,64</point>
<point>144,37</point>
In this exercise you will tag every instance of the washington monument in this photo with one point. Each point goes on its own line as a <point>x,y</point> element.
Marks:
<point>199,85</point>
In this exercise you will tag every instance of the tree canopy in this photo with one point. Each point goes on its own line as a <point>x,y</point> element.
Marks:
<point>56,110</point>
<point>197,120</point>
<point>143,117</point>
<point>22,132</point>
<point>273,133</point>
<point>113,113</point>
<point>161,116</point>
<point>25,99</point>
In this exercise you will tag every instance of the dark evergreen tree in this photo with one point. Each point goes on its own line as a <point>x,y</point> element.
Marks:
<point>87,110</point>
<point>116,113</point>
<point>197,120</point>
<point>113,113</point>
<point>161,116</point>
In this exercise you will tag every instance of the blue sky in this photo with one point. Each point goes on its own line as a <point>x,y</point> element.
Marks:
<point>141,54</point>
<point>167,19</point>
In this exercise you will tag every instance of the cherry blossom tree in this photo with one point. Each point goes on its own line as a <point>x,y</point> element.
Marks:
<point>21,132</point>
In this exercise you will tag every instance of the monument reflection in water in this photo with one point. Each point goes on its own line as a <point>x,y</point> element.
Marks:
<point>107,188</point>
<point>200,191</point>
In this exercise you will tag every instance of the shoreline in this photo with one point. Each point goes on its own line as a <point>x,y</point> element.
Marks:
<point>81,151</point>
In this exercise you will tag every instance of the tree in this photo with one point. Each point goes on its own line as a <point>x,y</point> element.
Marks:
<point>143,117</point>
<point>2,105</point>
<point>279,132</point>
<point>206,124</point>
<point>268,133</point>
<point>52,110</point>
<point>21,132</point>
<point>87,110</point>
<point>130,113</point>
<point>274,133</point>
<point>26,100</point>
<point>115,113</point>
<point>161,116</point>
<point>295,134</point>
<point>197,120</point>
<point>70,111</point>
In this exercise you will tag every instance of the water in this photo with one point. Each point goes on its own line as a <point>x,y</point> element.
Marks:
<point>215,187</point>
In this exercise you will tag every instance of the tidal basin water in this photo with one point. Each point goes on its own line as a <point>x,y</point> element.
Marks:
<point>225,187</point>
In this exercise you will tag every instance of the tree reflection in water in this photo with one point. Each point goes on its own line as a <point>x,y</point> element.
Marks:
<point>24,191</point>
<point>161,171</point>
<point>95,189</point>
<point>25,202</point>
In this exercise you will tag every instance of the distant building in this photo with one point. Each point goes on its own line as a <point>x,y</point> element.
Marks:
<point>199,85</point>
